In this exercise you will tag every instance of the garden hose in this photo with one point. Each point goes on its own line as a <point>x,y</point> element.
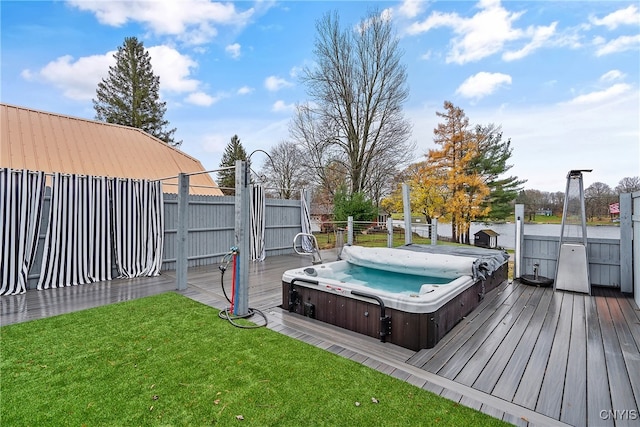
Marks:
<point>227,313</point>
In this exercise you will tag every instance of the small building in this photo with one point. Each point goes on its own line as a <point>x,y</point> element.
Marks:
<point>486,238</point>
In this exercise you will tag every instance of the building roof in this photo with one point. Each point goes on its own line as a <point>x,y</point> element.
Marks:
<point>49,142</point>
<point>486,231</point>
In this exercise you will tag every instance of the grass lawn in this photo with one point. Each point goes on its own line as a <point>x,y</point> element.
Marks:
<point>168,360</point>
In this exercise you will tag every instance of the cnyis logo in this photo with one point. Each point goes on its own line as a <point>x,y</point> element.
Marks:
<point>620,414</point>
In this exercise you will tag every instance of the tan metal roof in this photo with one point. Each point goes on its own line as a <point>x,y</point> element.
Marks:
<point>49,142</point>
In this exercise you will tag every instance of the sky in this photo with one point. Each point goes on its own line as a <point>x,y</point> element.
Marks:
<point>561,78</point>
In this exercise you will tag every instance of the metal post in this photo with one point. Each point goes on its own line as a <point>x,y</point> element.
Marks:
<point>350,231</point>
<point>406,206</point>
<point>626,244</point>
<point>182,232</point>
<point>389,232</point>
<point>434,231</point>
<point>519,214</point>
<point>243,235</point>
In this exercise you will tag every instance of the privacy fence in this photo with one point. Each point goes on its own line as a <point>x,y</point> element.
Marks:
<point>61,230</point>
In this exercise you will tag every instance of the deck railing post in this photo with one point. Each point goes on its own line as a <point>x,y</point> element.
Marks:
<point>350,231</point>
<point>626,244</point>
<point>389,232</point>
<point>182,232</point>
<point>519,214</point>
<point>434,231</point>
<point>406,203</point>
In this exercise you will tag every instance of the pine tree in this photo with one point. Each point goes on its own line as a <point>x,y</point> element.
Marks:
<point>227,178</point>
<point>491,164</point>
<point>129,96</point>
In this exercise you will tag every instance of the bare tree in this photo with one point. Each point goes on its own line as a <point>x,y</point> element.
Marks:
<point>285,170</point>
<point>597,198</point>
<point>357,88</point>
<point>628,185</point>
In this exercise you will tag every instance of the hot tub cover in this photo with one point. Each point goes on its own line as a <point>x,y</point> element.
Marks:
<point>486,261</point>
<point>416,262</point>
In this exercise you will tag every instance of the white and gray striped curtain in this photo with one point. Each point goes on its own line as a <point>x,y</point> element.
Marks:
<point>305,221</point>
<point>138,226</point>
<point>258,252</point>
<point>78,242</point>
<point>20,214</point>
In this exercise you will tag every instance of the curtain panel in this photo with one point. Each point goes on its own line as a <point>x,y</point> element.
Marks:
<point>138,226</point>
<point>257,246</point>
<point>78,246</point>
<point>305,221</point>
<point>21,201</point>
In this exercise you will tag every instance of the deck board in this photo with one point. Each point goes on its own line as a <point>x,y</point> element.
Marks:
<point>507,358</point>
<point>531,380</point>
<point>502,354</point>
<point>619,383</point>
<point>574,400</point>
<point>509,381</point>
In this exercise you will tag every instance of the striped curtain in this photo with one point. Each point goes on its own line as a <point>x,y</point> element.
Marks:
<point>20,213</point>
<point>78,242</point>
<point>305,221</point>
<point>257,246</point>
<point>138,226</point>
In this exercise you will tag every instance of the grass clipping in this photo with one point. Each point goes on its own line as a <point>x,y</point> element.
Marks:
<point>167,360</point>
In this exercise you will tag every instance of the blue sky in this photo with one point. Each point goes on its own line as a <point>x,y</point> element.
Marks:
<point>561,78</point>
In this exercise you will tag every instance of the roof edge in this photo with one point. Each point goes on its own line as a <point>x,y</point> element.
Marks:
<point>158,140</point>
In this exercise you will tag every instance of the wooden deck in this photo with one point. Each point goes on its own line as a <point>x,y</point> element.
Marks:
<point>526,355</point>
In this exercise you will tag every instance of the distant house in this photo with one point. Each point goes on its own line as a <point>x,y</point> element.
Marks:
<point>41,141</point>
<point>486,238</point>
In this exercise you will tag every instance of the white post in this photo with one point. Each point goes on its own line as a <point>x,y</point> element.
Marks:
<point>389,232</point>
<point>406,206</point>
<point>243,236</point>
<point>350,231</point>
<point>519,214</point>
<point>626,244</point>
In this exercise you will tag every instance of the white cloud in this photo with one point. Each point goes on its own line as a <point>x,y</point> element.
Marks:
<point>612,75</point>
<point>621,44</point>
<point>411,8</point>
<point>482,35</point>
<point>627,16</point>
<point>601,96</point>
<point>487,32</point>
<point>550,140</point>
<point>483,84</point>
<point>77,79</point>
<point>280,106</point>
<point>233,50</point>
<point>274,84</point>
<point>539,37</point>
<point>173,68</point>
<point>201,99</point>
<point>245,90</point>
<point>192,21</point>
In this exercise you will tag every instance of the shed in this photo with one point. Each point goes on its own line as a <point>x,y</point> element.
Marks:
<point>486,238</point>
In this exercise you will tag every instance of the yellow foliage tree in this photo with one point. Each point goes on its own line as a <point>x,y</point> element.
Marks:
<point>449,171</point>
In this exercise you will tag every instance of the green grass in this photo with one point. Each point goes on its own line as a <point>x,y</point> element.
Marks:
<point>167,360</point>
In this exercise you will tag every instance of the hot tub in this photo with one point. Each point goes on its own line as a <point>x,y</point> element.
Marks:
<point>411,298</point>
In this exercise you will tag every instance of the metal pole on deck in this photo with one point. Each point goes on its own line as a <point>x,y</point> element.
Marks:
<point>243,236</point>
<point>406,203</point>
<point>182,232</point>
<point>518,258</point>
<point>389,232</point>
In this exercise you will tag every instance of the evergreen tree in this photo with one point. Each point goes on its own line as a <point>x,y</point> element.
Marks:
<point>227,178</point>
<point>129,95</point>
<point>491,164</point>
